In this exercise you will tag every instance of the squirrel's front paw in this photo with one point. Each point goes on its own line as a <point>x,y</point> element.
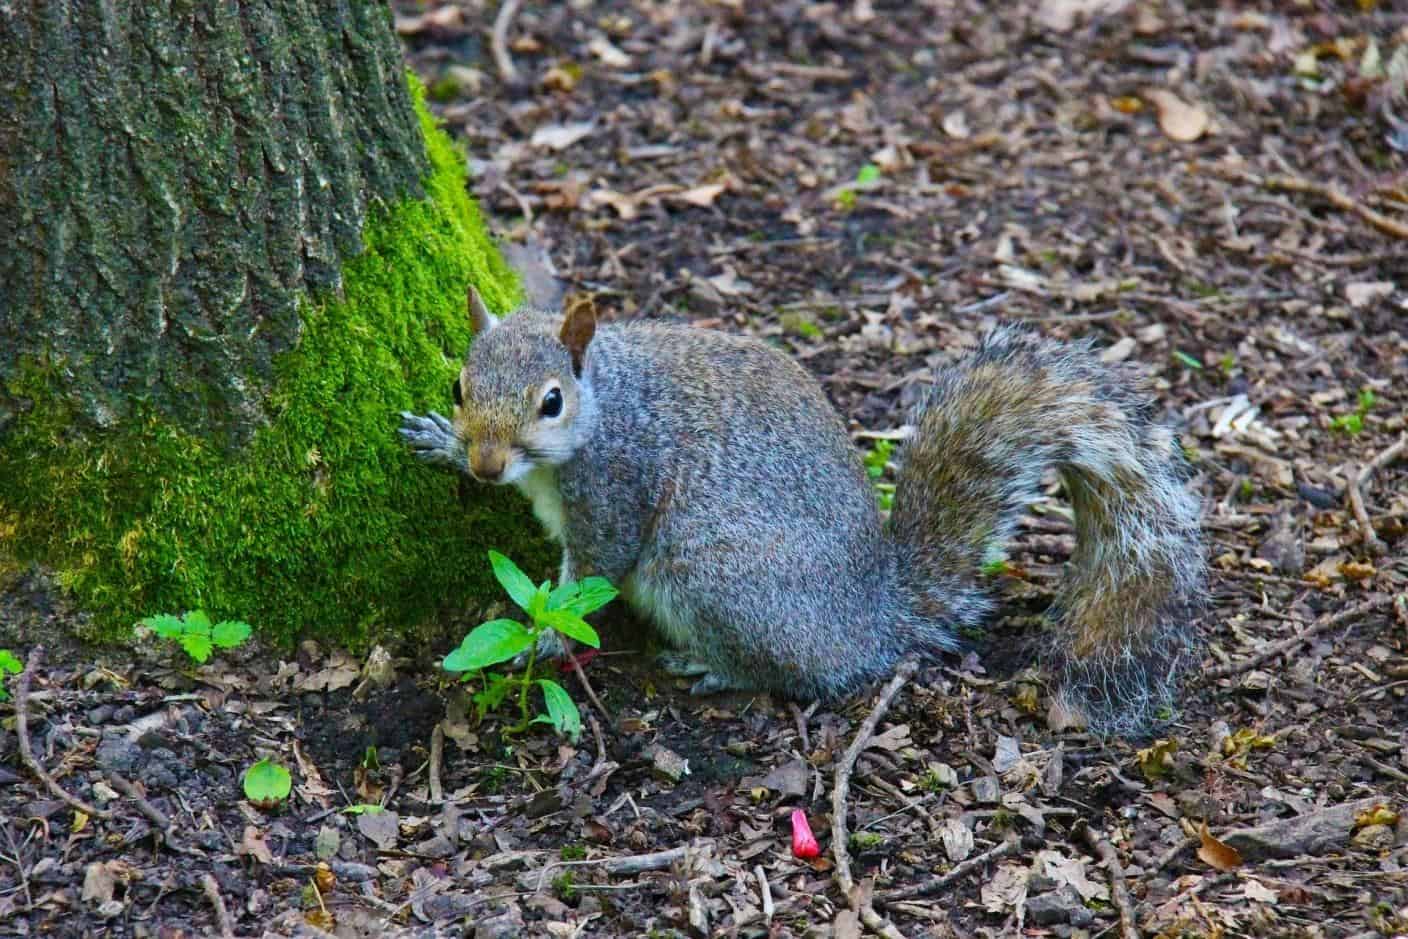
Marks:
<point>432,440</point>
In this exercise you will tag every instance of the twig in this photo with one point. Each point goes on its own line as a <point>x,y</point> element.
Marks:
<point>1372,542</point>
<point>859,900</point>
<point>437,756</point>
<point>587,687</point>
<point>630,864</point>
<point>1324,624</point>
<point>1332,195</point>
<point>935,884</point>
<point>498,41</point>
<point>222,915</point>
<point>22,731</point>
<point>600,742</point>
<point>1129,928</point>
<point>29,897</point>
<point>154,814</point>
<point>765,891</point>
<point>1167,858</point>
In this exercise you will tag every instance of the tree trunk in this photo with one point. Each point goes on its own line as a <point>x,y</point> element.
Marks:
<point>235,248</point>
<point>175,175</point>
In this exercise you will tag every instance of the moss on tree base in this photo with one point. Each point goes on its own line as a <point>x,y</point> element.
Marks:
<point>322,525</point>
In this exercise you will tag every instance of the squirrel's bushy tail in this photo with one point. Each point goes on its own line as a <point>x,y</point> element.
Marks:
<point>1121,627</point>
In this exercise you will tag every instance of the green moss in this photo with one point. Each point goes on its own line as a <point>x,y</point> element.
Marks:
<point>323,525</point>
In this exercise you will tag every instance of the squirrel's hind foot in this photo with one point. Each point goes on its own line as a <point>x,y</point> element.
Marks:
<point>683,665</point>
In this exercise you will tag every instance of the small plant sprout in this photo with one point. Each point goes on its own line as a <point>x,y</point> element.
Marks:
<point>9,665</point>
<point>196,634</point>
<point>549,609</point>
<point>266,784</point>
<point>875,462</point>
<point>1353,422</point>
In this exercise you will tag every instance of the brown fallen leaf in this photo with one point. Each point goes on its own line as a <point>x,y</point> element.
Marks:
<point>253,845</point>
<point>702,196</point>
<point>1178,119</point>
<point>1215,853</point>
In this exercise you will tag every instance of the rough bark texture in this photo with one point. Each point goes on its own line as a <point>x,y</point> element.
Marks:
<point>173,176</point>
<point>238,247</point>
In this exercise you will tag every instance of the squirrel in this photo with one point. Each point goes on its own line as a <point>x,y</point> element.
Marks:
<point>709,477</point>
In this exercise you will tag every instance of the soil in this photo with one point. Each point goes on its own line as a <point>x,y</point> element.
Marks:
<point>1214,192</point>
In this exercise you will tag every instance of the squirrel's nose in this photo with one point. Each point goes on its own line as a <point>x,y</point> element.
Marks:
<point>487,463</point>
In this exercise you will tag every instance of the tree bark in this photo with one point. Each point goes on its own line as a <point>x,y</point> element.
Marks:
<point>174,176</point>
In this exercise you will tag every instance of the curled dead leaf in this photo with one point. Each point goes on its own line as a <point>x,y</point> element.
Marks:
<point>1178,119</point>
<point>1378,815</point>
<point>1221,856</point>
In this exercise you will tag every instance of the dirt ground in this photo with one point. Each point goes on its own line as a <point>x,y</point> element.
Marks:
<point>1216,192</point>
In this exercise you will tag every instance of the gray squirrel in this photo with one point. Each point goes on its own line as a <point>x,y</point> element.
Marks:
<point>708,476</point>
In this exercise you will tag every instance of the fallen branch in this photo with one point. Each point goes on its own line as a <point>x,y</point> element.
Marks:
<point>1324,624</point>
<point>498,41</point>
<point>1332,195</point>
<point>31,665</point>
<point>1119,894</point>
<point>859,900</point>
<point>934,884</point>
<point>1372,542</point>
<point>630,864</point>
<point>222,915</point>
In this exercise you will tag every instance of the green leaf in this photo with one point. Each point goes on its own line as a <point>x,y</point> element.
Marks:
<point>1186,360</point>
<point>267,782</point>
<point>571,625</point>
<point>230,633</point>
<point>196,622</point>
<point>514,581</point>
<point>363,808</point>
<point>869,173</point>
<point>164,625</point>
<point>593,593</point>
<point>496,689</point>
<point>539,603</point>
<point>563,595</point>
<point>562,710</point>
<point>197,647</point>
<point>489,644</point>
<point>8,663</point>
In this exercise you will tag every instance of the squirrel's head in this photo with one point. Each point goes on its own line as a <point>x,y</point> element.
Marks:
<point>519,399</point>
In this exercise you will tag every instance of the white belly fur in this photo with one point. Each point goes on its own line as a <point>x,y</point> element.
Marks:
<point>540,486</point>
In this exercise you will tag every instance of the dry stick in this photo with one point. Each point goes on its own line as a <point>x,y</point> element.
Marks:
<point>935,884</point>
<point>22,731</point>
<point>29,897</point>
<point>498,41</point>
<point>587,687</point>
<point>1118,893</point>
<point>628,864</point>
<point>222,915</point>
<point>765,891</point>
<point>1324,624</point>
<point>1385,224</point>
<point>437,756</point>
<point>1372,543</point>
<point>841,789</point>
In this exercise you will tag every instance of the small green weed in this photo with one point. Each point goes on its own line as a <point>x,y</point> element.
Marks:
<point>9,665</point>
<point>875,463</point>
<point>1353,422</point>
<point>1186,360</point>
<point>196,634</point>
<point>266,783</point>
<point>574,852</point>
<point>564,885</point>
<point>559,609</point>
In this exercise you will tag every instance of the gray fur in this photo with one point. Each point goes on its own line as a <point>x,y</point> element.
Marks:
<point>709,477</point>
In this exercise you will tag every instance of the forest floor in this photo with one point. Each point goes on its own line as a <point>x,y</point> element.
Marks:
<point>1216,196</point>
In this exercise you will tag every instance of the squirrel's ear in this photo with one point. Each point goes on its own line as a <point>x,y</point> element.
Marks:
<point>578,327</point>
<point>479,316</point>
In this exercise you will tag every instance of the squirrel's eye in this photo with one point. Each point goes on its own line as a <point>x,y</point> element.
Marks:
<point>456,393</point>
<point>552,403</point>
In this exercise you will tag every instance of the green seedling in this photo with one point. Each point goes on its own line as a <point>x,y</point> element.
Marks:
<point>9,665</point>
<point>266,783</point>
<point>549,609</point>
<point>363,808</point>
<point>1186,360</point>
<point>875,462</point>
<point>195,633</point>
<point>1353,422</point>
